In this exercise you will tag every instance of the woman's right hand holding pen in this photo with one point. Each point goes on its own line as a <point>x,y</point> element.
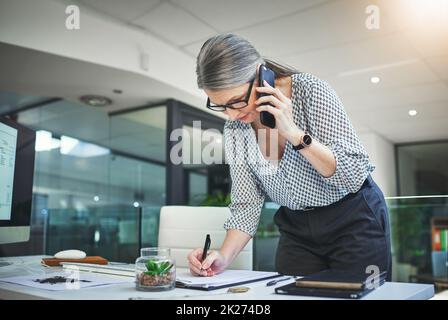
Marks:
<point>217,261</point>
<point>213,264</point>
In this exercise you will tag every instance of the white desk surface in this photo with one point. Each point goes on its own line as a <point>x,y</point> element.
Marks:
<point>28,265</point>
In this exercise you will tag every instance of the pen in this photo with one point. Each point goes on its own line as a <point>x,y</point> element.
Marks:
<point>206,247</point>
<point>273,282</point>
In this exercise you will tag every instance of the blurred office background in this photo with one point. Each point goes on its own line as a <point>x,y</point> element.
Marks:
<point>101,172</point>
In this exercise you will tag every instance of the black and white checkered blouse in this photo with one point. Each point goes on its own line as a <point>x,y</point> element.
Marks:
<point>292,181</point>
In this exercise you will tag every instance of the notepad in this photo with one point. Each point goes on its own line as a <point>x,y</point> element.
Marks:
<point>66,280</point>
<point>224,279</point>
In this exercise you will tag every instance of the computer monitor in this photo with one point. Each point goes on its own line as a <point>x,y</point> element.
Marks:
<point>17,151</point>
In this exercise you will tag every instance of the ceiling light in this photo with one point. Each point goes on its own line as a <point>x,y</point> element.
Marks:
<point>375,80</point>
<point>74,147</point>
<point>45,141</point>
<point>412,113</point>
<point>68,144</point>
<point>136,204</point>
<point>96,101</point>
<point>96,198</point>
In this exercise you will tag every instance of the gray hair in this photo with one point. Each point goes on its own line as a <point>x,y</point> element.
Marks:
<point>228,60</point>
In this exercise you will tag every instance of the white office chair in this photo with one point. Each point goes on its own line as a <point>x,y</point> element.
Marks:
<point>184,228</point>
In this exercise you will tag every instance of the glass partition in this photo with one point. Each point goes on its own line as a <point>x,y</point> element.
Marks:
<point>419,243</point>
<point>422,168</point>
<point>150,226</point>
<point>141,133</point>
<point>112,233</point>
<point>86,158</point>
<point>93,170</point>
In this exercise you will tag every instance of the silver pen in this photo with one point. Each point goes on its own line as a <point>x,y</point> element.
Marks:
<point>274,282</point>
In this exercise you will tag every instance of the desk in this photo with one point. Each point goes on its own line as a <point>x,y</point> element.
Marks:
<point>440,283</point>
<point>31,265</point>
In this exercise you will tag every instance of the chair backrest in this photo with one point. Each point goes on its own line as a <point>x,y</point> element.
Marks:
<point>184,228</point>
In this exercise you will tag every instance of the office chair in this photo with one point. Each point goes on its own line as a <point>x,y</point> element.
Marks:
<point>184,228</point>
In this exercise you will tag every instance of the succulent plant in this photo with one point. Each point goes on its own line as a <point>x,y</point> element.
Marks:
<point>155,268</point>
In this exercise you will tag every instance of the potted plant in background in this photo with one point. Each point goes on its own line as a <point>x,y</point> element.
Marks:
<point>216,200</point>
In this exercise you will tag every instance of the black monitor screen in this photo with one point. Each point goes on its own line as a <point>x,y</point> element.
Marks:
<point>17,151</point>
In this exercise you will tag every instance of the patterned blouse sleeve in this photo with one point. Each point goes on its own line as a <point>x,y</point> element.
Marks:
<point>247,197</point>
<point>333,128</point>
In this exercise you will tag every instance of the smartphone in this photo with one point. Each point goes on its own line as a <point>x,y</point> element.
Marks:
<point>267,74</point>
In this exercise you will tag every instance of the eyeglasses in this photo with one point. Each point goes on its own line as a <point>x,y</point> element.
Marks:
<point>240,104</point>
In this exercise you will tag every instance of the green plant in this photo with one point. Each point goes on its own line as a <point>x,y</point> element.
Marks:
<point>410,226</point>
<point>155,269</point>
<point>216,200</point>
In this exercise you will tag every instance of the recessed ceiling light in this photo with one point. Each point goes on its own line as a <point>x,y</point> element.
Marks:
<point>412,113</point>
<point>96,101</point>
<point>96,198</point>
<point>375,80</point>
<point>136,204</point>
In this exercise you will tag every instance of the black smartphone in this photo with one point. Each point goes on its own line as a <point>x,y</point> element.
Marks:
<point>264,73</point>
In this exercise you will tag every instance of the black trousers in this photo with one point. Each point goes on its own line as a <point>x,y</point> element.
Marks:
<point>350,234</point>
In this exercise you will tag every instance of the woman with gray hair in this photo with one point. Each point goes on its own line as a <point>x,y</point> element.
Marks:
<point>332,214</point>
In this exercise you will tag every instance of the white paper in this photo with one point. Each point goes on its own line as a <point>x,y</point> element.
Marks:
<point>226,277</point>
<point>66,280</point>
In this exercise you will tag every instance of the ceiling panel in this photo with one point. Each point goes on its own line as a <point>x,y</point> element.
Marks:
<point>424,23</point>
<point>364,54</point>
<point>412,96</point>
<point>429,43</point>
<point>387,118</point>
<point>408,131</point>
<point>194,48</point>
<point>235,14</point>
<point>122,10</point>
<point>174,24</point>
<point>439,65</point>
<point>396,76</point>
<point>421,14</point>
<point>331,24</point>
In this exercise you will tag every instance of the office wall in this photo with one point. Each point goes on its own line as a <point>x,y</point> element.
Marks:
<point>382,155</point>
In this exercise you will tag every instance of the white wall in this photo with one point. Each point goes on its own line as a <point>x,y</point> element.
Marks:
<point>382,155</point>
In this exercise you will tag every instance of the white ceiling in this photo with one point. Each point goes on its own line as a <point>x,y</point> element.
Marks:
<point>329,39</point>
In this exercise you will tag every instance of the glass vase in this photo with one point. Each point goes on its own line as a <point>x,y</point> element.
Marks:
<point>155,270</point>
